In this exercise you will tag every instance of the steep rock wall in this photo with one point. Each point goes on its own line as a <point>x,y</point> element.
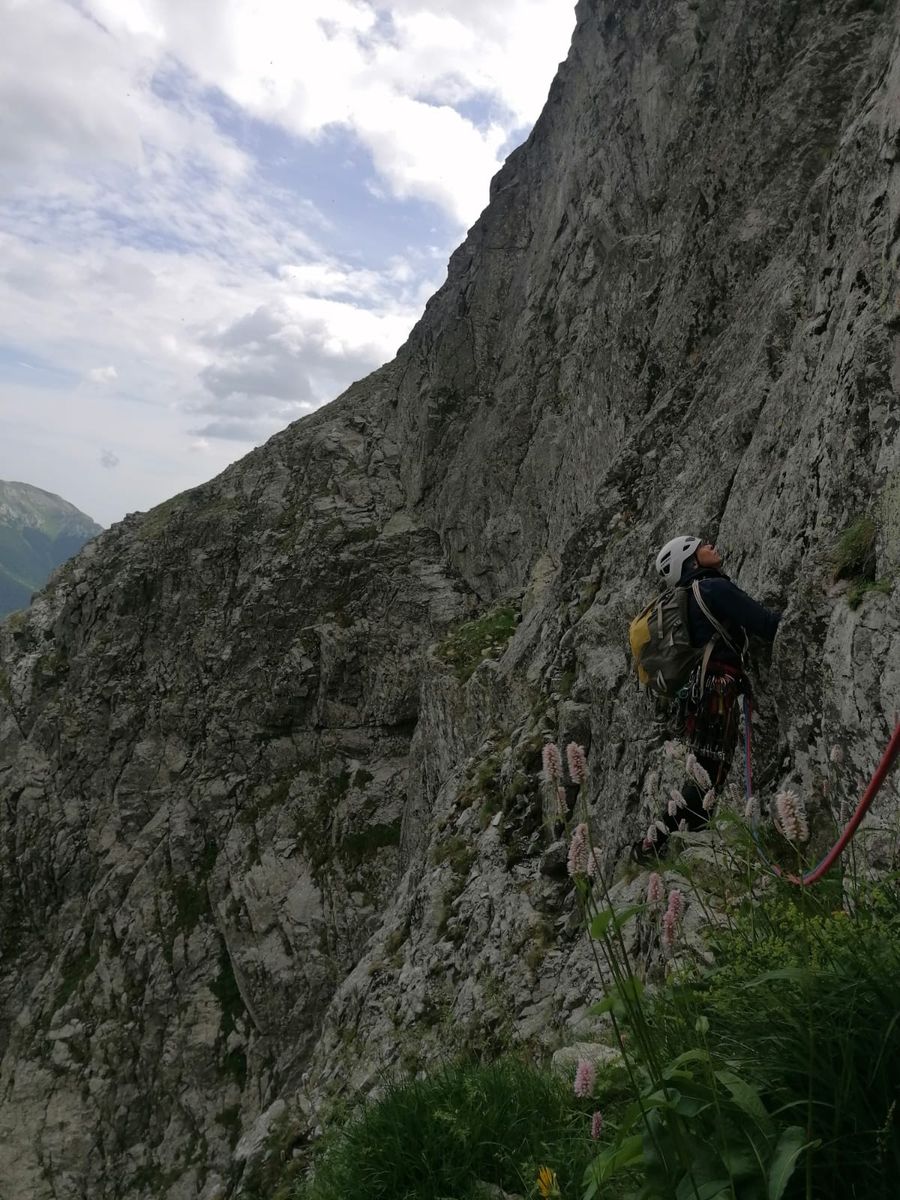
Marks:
<point>258,840</point>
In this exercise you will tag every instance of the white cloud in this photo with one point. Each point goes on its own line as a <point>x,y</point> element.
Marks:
<point>102,375</point>
<point>75,99</point>
<point>298,353</point>
<point>311,65</point>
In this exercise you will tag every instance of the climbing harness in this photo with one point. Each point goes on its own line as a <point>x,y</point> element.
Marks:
<point>825,865</point>
<point>710,714</point>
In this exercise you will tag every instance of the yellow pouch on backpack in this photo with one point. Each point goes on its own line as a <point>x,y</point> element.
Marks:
<point>639,637</point>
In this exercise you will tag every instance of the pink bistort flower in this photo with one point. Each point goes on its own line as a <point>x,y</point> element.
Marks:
<point>655,889</point>
<point>596,1125</point>
<point>552,764</point>
<point>669,927</point>
<point>709,800</point>
<point>577,761</point>
<point>585,1077</point>
<point>676,904</point>
<point>792,816</point>
<point>578,851</point>
<point>700,774</point>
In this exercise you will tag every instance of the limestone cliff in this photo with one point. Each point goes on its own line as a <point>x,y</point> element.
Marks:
<point>270,820</point>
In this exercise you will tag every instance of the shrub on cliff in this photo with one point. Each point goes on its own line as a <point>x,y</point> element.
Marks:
<point>458,1133</point>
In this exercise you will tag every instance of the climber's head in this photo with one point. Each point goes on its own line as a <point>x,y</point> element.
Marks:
<point>681,554</point>
<point>707,555</point>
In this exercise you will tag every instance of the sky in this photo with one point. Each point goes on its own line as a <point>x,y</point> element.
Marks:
<point>215,215</point>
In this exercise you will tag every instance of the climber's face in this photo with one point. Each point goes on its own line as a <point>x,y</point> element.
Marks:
<point>708,555</point>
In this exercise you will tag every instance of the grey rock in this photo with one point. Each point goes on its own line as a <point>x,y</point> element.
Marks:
<point>554,860</point>
<point>565,1060</point>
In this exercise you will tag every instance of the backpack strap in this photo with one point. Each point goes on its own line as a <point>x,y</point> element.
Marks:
<point>717,626</point>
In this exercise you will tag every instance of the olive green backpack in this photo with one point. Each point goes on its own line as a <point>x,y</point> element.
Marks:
<point>661,644</point>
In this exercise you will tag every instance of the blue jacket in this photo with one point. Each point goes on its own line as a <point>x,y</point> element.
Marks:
<point>733,609</point>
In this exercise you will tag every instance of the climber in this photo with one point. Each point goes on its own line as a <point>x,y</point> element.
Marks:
<point>707,709</point>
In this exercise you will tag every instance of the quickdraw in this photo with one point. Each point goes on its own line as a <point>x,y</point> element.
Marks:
<point>825,865</point>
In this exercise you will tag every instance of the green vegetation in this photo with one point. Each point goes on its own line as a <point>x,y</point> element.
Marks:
<point>853,558</point>
<point>191,903</point>
<point>861,587</point>
<point>235,1065</point>
<point>191,896</point>
<point>275,797</point>
<point>457,852</point>
<point>337,787</point>
<point>276,1173</point>
<point>74,973</point>
<point>157,520</point>
<point>771,1075</point>
<point>355,847</point>
<point>225,989</point>
<point>853,554</point>
<point>459,1134</point>
<point>803,1007</point>
<point>230,1120</point>
<point>154,1179</point>
<point>485,637</point>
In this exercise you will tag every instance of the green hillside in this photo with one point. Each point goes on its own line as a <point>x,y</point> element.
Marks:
<point>38,532</point>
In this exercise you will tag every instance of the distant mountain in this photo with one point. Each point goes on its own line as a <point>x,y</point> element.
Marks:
<point>38,532</point>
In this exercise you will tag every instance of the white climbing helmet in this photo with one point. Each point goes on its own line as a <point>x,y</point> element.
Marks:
<point>673,556</point>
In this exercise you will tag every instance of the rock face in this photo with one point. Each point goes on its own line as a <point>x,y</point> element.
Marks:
<point>269,753</point>
<point>38,532</point>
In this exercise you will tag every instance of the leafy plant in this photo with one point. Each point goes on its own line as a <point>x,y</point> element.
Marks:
<point>449,1135</point>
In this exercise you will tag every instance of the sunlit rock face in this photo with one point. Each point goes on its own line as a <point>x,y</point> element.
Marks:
<point>271,821</point>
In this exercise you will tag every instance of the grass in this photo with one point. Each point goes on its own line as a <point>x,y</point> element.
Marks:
<point>853,557</point>
<point>458,1133</point>
<point>470,644</point>
<point>802,1005</point>
<point>860,588</point>
<point>853,554</point>
<point>457,852</point>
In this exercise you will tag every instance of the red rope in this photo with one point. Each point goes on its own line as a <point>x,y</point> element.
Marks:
<point>813,876</point>
<point>887,761</point>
